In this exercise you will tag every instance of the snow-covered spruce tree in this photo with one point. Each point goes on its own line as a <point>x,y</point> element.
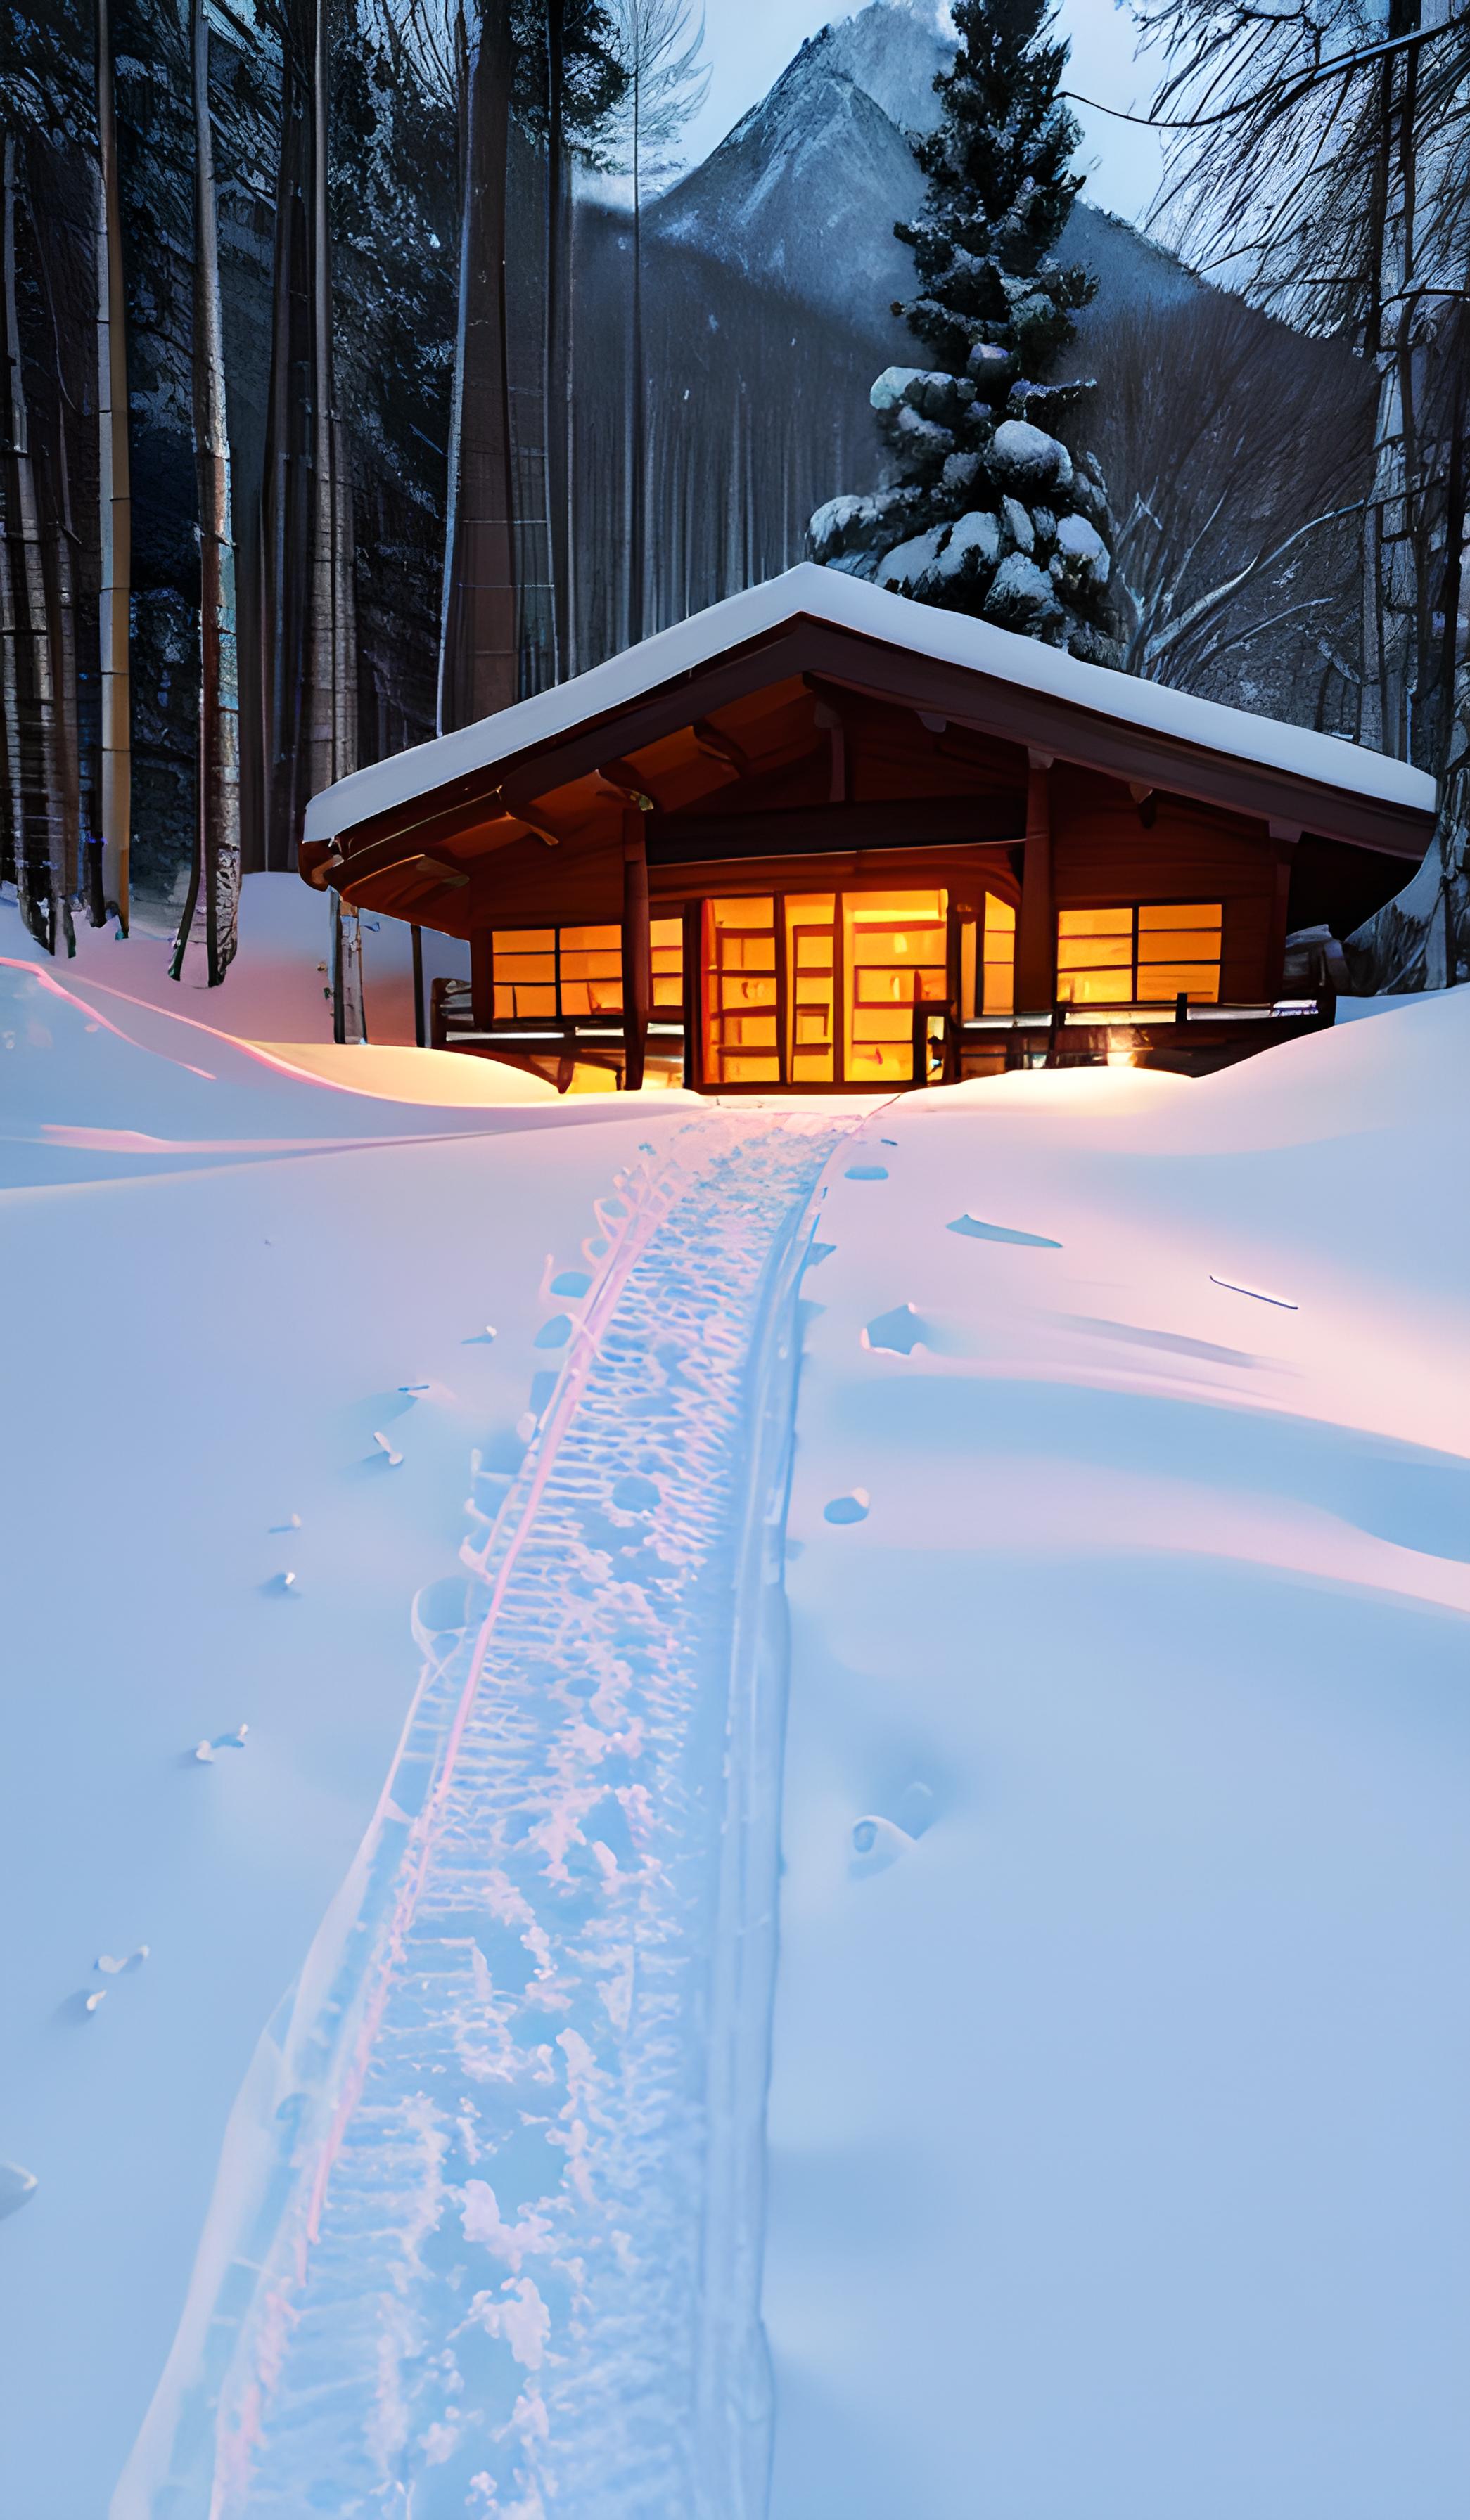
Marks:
<point>988,510</point>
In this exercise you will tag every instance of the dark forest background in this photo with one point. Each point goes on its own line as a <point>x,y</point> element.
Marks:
<point>368,492</point>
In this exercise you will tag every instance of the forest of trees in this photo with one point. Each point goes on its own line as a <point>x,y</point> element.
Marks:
<point>1320,164</point>
<point>351,393</point>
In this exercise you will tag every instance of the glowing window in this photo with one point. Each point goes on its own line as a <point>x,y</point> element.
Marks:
<point>1147,954</point>
<point>811,973</point>
<point>998,958</point>
<point>741,993</point>
<point>896,953</point>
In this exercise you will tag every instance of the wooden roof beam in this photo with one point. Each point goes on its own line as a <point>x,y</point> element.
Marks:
<point>629,784</point>
<point>713,743</point>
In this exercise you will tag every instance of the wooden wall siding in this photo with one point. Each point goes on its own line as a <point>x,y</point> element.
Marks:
<point>1103,857</point>
<point>964,870</point>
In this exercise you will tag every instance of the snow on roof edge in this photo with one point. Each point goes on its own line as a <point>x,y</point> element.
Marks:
<point>896,621</point>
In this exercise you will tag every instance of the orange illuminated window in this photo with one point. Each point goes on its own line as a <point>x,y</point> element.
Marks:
<point>895,955</point>
<point>812,960</point>
<point>552,973</point>
<point>1147,954</point>
<point>822,988</point>
<point>666,938</point>
<point>997,959</point>
<point>742,996</point>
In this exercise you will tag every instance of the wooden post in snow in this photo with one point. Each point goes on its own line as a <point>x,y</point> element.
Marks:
<point>638,950</point>
<point>1035,940</point>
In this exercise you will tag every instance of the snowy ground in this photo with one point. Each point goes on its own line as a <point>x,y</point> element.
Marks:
<point>276,988</point>
<point>1118,2061</point>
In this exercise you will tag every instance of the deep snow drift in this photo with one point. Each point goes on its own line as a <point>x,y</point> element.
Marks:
<point>1119,2061</point>
<point>1117,2125</point>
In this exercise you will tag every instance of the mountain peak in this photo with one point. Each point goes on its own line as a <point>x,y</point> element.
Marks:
<point>804,192</point>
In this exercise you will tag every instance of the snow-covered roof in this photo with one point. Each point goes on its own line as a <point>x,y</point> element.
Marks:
<point>849,604</point>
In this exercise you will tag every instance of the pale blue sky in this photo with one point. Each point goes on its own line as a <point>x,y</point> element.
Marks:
<point>749,42</point>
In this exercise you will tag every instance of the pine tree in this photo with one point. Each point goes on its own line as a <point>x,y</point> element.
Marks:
<point>989,510</point>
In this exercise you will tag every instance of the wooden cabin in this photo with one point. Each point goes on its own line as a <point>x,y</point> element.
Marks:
<point>823,837</point>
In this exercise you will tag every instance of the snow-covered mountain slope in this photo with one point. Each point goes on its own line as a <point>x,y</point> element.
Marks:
<point>805,190</point>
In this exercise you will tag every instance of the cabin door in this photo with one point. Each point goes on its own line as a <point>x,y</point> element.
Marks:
<point>822,988</point>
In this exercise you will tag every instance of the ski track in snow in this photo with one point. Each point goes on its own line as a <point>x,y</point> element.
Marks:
<point>485,2237</point>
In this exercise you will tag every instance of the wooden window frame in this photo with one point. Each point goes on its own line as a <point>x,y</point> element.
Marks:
<point>1134,908</point>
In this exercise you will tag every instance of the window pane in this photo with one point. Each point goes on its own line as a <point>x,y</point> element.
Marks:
<point>878,1064</point>
<point>1180,913</point>
<point>1093,953</point>
<point>526,966</point>
<point>590,967</point>
<point>1095,922</point>
<point>532,1002</point>
<point>893,909</point>
<point>1163,981</point>
<point>998,995</point>
<point>810,984</point>
<point>751,1071</point>
<point>885,987</point>
<point>667,934</point>
<point>607,940</point>
<point>668,992</point>
<point>896,951</point>
<point>1097,988</point>
<point>997,988</point>
<point>1175,945</point>
<point>524,941</point>
<point>757,912</point>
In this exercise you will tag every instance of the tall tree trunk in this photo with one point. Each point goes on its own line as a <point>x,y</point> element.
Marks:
<point>61,631</point>
<point>59,543</point>
<point>115,498</point>
<point>205,944</point>
<point>12,785</point>
<point>556,382</point>
<point>478,667</point>
<point>39,870</point>
<point>637,398</point>
<point>331,642</point>
<point>285,507</point>
<point>332,681</point>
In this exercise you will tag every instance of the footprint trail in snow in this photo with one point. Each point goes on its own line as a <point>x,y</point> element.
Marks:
<point>480,2242</point>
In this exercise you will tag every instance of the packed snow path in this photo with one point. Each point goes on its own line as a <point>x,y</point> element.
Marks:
<point>486,2232</point>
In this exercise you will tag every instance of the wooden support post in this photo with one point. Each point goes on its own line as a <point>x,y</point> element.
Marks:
<point>1276,952</point>
<point>1035,940</point>
<point>637,951</point>
<point>694,995</point>
<point>419,1033</point>
<point>482,979</point>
